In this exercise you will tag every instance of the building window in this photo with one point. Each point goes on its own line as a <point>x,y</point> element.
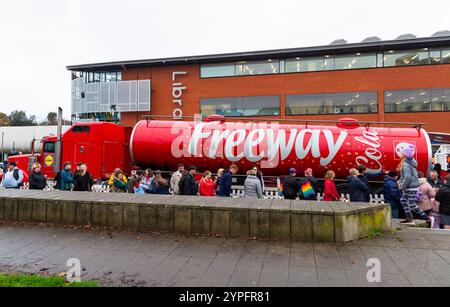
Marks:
<point>406,57</point>
<point>304,65</point>
<point>419,100</point>
<point>424,56</point>
<point>217,70</point>
<point>355,61</point>
<point>241,106</point>
<point>446,56</point>
<point>337,103</point>
<point>435,56</point>
<point>258,68</point>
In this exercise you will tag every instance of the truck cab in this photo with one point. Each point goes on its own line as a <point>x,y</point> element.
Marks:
<point>102,146</point>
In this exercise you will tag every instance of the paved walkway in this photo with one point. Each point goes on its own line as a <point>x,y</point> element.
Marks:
<point>409,257</point>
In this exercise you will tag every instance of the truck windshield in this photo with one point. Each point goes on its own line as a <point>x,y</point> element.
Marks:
<point>49,147</point>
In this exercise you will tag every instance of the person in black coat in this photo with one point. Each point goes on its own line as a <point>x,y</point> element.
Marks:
<point>82,180</point>
<point>362,170</point>
<point>434,180</point>
<point>358,189</point>
<point>290,185</point>
<point>392,193</point>
<point>443,197</point>
<point>188,185</point>
<point>37,180</point>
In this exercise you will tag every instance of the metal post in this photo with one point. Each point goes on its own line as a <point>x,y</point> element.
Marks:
<point>58,145</point>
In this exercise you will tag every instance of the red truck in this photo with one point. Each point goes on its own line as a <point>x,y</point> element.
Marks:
<point>215,143</point>
<point>102,146</point>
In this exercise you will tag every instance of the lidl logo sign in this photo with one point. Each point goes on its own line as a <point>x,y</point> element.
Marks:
<point>49,161</point>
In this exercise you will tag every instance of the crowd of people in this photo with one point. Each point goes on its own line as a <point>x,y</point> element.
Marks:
<point>409,193</point>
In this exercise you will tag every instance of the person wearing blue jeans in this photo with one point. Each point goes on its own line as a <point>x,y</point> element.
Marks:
<point>409,184</point>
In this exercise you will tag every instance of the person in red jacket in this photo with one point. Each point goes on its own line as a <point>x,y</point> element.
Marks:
<point>330,191</point>
<point>207,185</point>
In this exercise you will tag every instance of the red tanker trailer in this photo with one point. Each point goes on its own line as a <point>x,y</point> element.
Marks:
<point>275,147</point>
<point>215,144</point>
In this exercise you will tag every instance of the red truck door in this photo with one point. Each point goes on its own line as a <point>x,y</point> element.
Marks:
<point>48,159</point>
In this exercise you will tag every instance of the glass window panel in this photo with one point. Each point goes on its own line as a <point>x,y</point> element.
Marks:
<point>241,106</point>
<point>406,57</point>
<point>440,99</point>
<point>336,103</point>
<point>217,70</point>
<point>407,101</point>
<point>435,56</point>
<point>328,63</point>
<point>259,68</point>
<point>97,77</point>
<point>305,104</point>
<point>380,59</point>
<point>119,76</point>
<point>446,56</point>
<point>356,61</point>
<point>306,64</point>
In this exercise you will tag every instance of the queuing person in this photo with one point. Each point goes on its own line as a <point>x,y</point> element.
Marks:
<point>148,178</point>
<point>175,180</point>
<point>82,180</point>
<point>135,179</point>
<point>362,175</point>
<point>409,185</point>
<point>187,184</point>
<point>443,197</point>
<point>358,189</point>
<point>114,177</point>
<point>226,181</point>
<point>309,186</point>
<point>392,193</point>
<point>427,194</point>
<point>160,185</point>
<point>37,180</point>
<point>219,175</point>
<point>260,177</point>
<point>438,169</point>
<point>434,180</point>
<point>13,177</point>
<point>140,187</point>
<point>207,186</point>
<point>66,177</point>
<point>120,183</point>
<point>289,185</point>
<point>330,192</point>
<point>252,185</point>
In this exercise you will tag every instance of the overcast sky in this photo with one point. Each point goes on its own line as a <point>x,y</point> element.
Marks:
<point>40,38</point>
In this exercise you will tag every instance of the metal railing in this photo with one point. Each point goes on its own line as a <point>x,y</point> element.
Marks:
<point>237,192</point>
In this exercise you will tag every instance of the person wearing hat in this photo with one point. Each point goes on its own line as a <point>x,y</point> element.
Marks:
<point>37,180</point>
<point>13,178</point>
<point>290,184</point>
<point>187,184</point>
<point>409,185</point>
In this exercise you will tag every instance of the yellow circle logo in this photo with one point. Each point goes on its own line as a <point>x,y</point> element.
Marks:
<point>49,161</point>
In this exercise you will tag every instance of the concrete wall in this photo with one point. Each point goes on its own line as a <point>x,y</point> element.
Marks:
<point>262,219</point>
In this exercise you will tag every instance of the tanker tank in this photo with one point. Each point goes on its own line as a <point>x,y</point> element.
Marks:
<point>275,147</point>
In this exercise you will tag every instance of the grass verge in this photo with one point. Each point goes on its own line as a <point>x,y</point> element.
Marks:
<point>12,280</point>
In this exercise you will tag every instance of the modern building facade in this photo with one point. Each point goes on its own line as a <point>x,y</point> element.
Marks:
<point>402,80</point>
